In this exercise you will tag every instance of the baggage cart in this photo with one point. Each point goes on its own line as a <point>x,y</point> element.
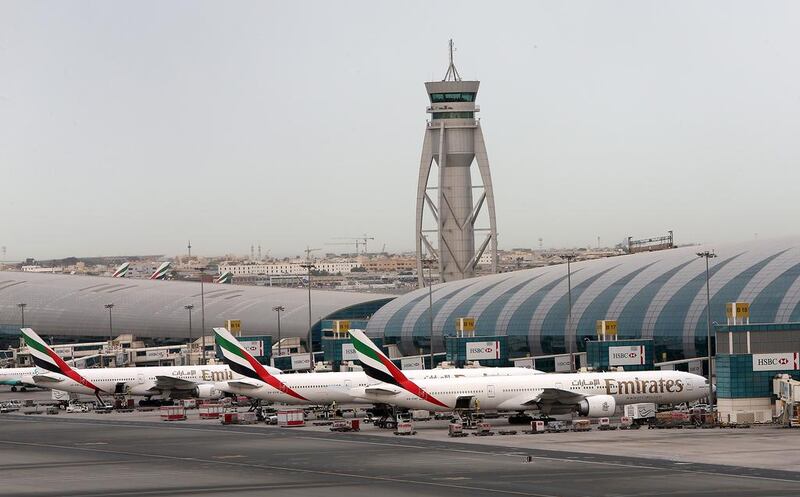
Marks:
<point>405,428</point>
<point>210,411</point>
<point>291,417</point>
<point>173,413</point>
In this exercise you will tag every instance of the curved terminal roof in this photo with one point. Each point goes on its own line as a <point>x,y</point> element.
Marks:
<point>74,305</point>
<point>658,295</point>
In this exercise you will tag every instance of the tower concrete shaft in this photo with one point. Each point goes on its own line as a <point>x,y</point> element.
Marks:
<point>453,140</point>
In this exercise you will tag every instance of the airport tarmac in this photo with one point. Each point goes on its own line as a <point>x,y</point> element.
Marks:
<point>137,454</point>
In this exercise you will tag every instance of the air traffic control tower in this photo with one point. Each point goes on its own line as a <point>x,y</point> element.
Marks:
<point>453,141</point>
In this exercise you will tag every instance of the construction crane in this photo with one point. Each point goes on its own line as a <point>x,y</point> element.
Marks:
<point>308,251</point>
<point>358,240</point>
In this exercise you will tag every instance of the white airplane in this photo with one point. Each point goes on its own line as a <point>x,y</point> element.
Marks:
<point>588,394</point>
<point>17,378</point>
<point>163,381</point>
<point>319,388</point>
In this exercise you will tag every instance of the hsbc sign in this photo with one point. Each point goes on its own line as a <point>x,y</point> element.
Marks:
<point>563,364</point>
<point>483,350</point>
<point>626,356</point>
<point>301,361</point>
<point>787,361</point>
<point>255,347</point>
<point>412,363</point>
<point>349,352</point>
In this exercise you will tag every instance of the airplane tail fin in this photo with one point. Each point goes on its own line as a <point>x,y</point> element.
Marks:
<point>46,358</point>
<point>122,270</point>
<point>241,361</point>
<point>43,356</point>
<point>376,365</point>
<point>374,361</point>
<point>162,271</point>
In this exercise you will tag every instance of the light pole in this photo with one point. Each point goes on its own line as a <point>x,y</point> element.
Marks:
<point>429,264</point>
<point>202,313</point>
<point>279,309</point>
<point>708,255</point>
<point>309,266</point>
<point>569,258</point>
<point>22,306</point>
<point>189,308</point>
<point>110,324</point>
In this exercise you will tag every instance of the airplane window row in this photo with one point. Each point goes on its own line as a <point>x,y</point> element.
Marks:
<point>455,391</point>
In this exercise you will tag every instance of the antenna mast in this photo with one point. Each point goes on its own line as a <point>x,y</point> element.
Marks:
<point>452,72</point>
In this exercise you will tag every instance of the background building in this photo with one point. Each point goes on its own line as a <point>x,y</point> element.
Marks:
<point>283,268</point>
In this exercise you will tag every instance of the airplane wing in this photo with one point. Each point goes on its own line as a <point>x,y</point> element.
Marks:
<point>383,389</point>
<point>173,383</point>
<point>46,378</point>
<point>550,400</point>
<point>557,401</point>
<point>244,383</point>
<point>559,396</point>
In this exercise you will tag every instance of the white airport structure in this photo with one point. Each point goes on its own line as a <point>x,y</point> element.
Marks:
<point>81,306</point>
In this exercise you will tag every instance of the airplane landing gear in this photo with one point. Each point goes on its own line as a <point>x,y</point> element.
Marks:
<point>387,423</point>
<point>387,416</point>
<point>520,418</point>
<point>149,402</point>
<point>13,388</point>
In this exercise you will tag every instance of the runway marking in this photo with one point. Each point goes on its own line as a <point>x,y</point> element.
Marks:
<point>280,468</point>
<point>570,459</point>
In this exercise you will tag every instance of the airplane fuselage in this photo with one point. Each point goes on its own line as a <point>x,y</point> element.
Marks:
<point>138,381</point>
<point>326,388</point>
<point>17,376</point>
<point>520,393</point>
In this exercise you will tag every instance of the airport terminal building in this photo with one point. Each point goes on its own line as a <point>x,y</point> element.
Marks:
<point>656,295</point>
<point>68,306</point>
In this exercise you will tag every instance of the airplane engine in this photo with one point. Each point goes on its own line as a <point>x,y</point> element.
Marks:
<point>207,391</point>
<point>597,406</point>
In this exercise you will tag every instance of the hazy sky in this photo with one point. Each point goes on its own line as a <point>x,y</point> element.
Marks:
<point>130,127</point>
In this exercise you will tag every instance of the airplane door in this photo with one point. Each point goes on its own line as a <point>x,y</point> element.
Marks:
<point>490,391</point>
<point>689,385</point>
<point>140,378</point>
<point>348,384</point>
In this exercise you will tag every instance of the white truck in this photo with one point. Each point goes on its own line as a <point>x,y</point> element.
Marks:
<point>641,413</point>
<point>420,415</point>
